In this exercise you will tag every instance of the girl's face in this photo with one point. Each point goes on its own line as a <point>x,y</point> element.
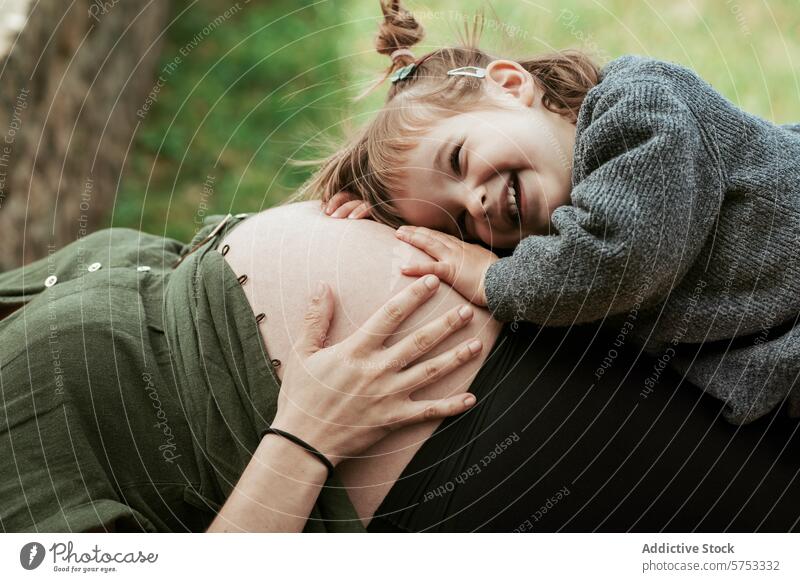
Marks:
<point>493,175</point>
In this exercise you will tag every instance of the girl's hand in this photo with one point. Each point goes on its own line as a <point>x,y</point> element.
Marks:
<point>343,205</point>
<point>344,398</point>
<point>461,264</point>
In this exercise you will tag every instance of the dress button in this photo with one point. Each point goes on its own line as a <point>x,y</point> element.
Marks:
<point>94,266</point>
<point>142,268</point>
<point>50,281</point>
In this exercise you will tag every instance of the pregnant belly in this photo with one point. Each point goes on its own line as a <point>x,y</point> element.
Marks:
<point>284,251</point>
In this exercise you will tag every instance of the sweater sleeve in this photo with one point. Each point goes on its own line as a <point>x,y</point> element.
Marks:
<point>645,198</point>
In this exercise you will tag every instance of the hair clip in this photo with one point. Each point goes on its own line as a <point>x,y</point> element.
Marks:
<point>470,71</point>
<point>402,73</point>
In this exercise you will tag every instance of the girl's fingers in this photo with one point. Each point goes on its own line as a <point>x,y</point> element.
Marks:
<point>388,318</point>
<point>421,374</point>
<point>443,237</point>
<point>426,338</point>
<point>361,211</point>
<point>423,240</point>
<point>442,270</point>
<point>345,209</point>
<point>336,201</point>
<point>420,410</point>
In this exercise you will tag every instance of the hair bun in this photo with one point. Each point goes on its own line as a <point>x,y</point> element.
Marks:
<point>398,31</point>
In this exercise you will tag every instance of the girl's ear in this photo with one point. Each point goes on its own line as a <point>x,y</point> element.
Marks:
<point>510,78</point>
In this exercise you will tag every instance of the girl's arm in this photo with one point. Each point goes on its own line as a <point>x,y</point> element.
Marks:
<point>646,200</point>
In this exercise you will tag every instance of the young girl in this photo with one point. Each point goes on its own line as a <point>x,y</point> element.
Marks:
<point>635,192</point>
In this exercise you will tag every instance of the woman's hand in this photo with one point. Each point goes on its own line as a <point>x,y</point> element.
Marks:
<point>343,398</point>
<point>462,265</point>
<point>344,205</point>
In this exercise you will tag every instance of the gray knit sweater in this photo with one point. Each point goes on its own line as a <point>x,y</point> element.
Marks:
<point>683,233</point>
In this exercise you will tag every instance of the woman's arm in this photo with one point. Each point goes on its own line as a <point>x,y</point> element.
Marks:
<point>341,400</point>
<point>276,491</point>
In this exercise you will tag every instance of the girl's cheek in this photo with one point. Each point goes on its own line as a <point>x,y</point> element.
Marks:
<point>485,234</point>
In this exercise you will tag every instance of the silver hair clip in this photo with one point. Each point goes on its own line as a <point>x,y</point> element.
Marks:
<point>470,71</point>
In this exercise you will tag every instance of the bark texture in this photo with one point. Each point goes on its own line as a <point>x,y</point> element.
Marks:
<point>70,85</point>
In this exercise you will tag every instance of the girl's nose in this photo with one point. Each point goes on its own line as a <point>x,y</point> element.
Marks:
<point>476,203</point>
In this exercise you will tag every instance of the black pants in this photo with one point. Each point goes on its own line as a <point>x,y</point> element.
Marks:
<point>567,436</point>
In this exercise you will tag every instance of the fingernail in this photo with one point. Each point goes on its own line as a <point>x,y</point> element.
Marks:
<point>474,346</point>
<point>430,282</point>
<point>465,311</point>
<point>405,267</point>
<point>469,400</point>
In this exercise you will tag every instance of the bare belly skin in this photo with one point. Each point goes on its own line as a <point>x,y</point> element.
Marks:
<point>284,251</point>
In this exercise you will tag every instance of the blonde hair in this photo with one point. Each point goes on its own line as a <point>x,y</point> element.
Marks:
<point>369,164</point>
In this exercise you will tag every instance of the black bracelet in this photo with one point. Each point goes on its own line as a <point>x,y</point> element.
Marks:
<point>302,443</point>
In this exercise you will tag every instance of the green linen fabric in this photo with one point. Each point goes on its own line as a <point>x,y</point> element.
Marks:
<point>133,391</point>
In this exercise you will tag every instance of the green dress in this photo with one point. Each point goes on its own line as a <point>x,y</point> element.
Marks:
<point>133,390</point>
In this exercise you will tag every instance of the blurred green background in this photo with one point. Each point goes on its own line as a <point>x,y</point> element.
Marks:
<point>241,92</point>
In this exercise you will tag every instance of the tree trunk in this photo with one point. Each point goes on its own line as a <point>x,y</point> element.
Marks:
<point>70,84</point>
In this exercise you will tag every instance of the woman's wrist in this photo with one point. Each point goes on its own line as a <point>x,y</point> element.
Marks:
<point>300,443</point>
<point>311,431</point>
<point>290,459</point>
<point>276,492</point>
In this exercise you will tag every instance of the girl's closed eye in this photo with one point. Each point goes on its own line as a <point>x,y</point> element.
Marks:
<point>455,165</point>
<point>455,158</point>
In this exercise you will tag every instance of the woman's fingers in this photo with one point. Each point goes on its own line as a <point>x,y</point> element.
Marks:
<point>423,239</point>
<point>316,322</point>
<point>388,318</point>
<point>422,410</point>
<point>346,208</point>
<point>426,338</point>
<point>424,373</point>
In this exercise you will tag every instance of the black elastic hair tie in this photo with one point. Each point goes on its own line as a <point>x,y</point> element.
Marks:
<point>302,443</point>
